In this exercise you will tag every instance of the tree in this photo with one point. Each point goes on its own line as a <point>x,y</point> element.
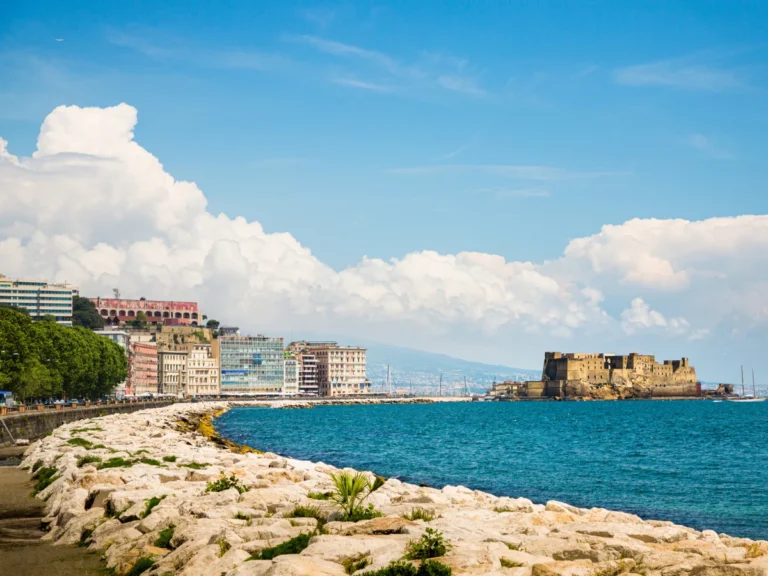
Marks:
<point>19,309</point>
<point>140,321</point>
<point>48,318</point>
<point>84,314</point>
<point>214,326</point>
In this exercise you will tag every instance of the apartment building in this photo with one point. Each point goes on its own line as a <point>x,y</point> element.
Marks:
<point>291,380</point>
<point>39,298</point>
<point>142,368</point>
<point>202,372</point>
<point>124,340</point>
<point>251,365</point>
<point>307,368</point>
<point>341,370</point>
<point>172,372</point>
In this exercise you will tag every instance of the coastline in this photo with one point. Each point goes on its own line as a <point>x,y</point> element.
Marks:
<point>174,452</point>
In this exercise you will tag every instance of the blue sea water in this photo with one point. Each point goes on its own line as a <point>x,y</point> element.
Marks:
<point>701,464</point>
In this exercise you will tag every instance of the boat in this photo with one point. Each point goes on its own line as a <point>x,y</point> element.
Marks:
<point>743,399</point>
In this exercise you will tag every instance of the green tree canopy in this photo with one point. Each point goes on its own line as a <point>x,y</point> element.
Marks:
<point>84,314</point>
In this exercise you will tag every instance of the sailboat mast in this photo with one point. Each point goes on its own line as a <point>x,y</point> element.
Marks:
<point>754,390</point>
<point>742,381</point>
<point>440,389</point>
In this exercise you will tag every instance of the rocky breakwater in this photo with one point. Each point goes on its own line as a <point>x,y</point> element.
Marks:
<point>158,498</point>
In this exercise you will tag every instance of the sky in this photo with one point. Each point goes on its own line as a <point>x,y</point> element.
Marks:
<point>487,180</point>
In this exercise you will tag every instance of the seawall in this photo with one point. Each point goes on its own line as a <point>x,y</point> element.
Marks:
<point>32,425</point>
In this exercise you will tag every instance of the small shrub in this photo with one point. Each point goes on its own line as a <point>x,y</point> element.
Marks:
<point>430,545</point>
<point>224,546</point>
<point>434,568</point>
<point>241,516</point>
<point>84,537</point>
<point>82,442</point>
<point>101,447</point>
<point>361,513</point>
<point>225,483</point>
<point>756,550</point>
<point>36,466</point>
<point>320,495</point>
<point>507,563</point>
<point>83,460</point>
<point>117,462</point>
<point>151,503</point>
<point>292,546</point>
<point>142,565</point>
<point>169,458</point>
<point>352,565</point>
<point>164,538</point>
<point>196,465</point>
<point>420,514</point>
<point>45,477</point>
<point>150,461</point>
<point>142,451</point>
<point>309,512</point>
<point>514,546</point>
<point>403,568</point>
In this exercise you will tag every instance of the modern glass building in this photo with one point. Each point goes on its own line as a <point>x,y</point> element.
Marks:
<point>251,365</point>
<point>39,298</point>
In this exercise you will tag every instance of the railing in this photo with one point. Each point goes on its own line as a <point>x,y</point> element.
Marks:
<point>22,408</point>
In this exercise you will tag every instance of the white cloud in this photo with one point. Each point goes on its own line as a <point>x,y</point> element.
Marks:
<point>640,316</point>
<point>93,207</point>
<point>685,73</point>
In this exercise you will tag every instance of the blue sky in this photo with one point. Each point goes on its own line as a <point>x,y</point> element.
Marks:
<point>390,129</point>
<point>301,114</point>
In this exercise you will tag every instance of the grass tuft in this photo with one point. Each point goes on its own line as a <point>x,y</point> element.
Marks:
<point>169,458</point>
<point>292,546</point>
<point>83,460</point>
<point>117,462</point>
<point>320,495</point>
<point>309,512</point>
<point>142,565</point>
<point>36,466</point>
<point>507,563</point>
<point>224,546</point>
<point>164,538</point>
<point>432,544</point>
<point>82,442</point>
<point>352,565</point>
<point>225,483</point>
<point>45,477</point>
<point>420,514</point>
<point>150,461</point>
<point>403,568</point>
<point>196,465</point>
<point>151,503</point>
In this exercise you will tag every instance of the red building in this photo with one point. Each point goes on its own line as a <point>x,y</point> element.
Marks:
<point>116,311</point>
<point>142,369</point>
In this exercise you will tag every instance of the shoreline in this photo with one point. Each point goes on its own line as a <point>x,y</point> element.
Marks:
<point>105,507</point>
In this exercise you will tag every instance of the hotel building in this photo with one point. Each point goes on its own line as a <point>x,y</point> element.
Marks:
<point>291,382</point>
<point>39,298</point>
<point>341,370</point>
<point>251,365</point>
<point>202,372</point>
<point>172,372</point>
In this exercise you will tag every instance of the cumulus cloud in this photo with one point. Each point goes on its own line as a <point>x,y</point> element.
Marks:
<point>93,207</point>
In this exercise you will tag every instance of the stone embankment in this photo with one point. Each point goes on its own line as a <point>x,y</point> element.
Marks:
<point>135,487</point>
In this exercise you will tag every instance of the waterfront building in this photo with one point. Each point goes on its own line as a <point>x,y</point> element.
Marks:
<point>291,380</point>
<point>251,365</point>
<point>124,340</point>
<point>142,369</point>
<point>307,368</point>
<point>172,372</point>
<point>39,298</point>
<point>116,311</point>
<point>229,331</point>
<point>508,388</point>
<point>202,372</point>
<point>341,370</point>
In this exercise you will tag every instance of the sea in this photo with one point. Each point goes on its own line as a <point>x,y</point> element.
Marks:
<point>702,464</point>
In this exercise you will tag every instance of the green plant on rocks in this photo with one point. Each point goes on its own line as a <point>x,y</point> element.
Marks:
<point>293,546</point>
<point>224,546</point>
<point>83,460</point>
<point>352,565</point>
<point>150,461</point>
<point>142,565</point>
<point>36,466</point>
<point>309,512</point>
<point>165,537</point>
<point>45,477</point>
<point>169,458</point>
<point>225,483</point>
<point>116,462</point>
<point>82,442</point>
<point>432,544</point>
<point>150,504</point>
<point>196,465</point>
<point>507,563</point>
<point>320,495</point>
<point>403,568</point>
<point>351,489</point>
<point>420,514</point>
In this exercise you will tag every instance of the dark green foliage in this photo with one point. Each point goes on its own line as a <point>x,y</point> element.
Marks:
<point>403,568</point>
<point>352,565</point>
<point>118,462</point>
<point>430,545</point>
<point>83,460</point>
<point>84,314</point>
<point>44,478</point>
<point>196,465</point>
<point>142,565</point>
<point>46,359</point>
<point>420,514</point>
<point>169,458</point>
<point>224,546</point>
<point>142,451</point>
<point>320,495</point>
<point>507,563</point>
<point>164,538</point>
<point>85,536</point>
<point>361,513</point>
<point>225,483</point>
<point>37,466</point>
<point>82,442</point>
<point>150,461</point>
<point>292,546</point>
<point>309,512</point>
<point>151,503</point>
<point>80,430</point>
<point>99,447</point>
<point>241,516</point>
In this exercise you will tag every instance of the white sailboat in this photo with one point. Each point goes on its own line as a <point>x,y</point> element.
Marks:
<point>744,398</point>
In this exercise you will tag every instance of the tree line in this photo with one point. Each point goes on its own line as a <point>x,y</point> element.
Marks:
<point>44,359</point>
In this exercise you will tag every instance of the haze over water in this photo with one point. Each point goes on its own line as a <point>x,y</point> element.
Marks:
<point>700,464</point>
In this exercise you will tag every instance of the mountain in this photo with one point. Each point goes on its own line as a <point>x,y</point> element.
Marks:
<point>419,371</point>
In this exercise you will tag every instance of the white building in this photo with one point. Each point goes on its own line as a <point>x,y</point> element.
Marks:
<point>291,380</point>
<point>39,298</point>
<point>172,372</point>
<point>341,370</point>
<point>202,372</point>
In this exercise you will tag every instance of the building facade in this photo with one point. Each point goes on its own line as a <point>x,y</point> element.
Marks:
<point>39,298</point>
<point>307,368</point>
<point>117,311</point>
<point>341,370</point>
<point>142,369</point>
<point>172,372</point>
<point>251,365</point>
<point>124,340</point>
<point>291,380</point>
<point>202,372</point>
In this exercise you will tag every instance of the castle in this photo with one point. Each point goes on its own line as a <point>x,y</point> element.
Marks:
<point>635,375</point>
